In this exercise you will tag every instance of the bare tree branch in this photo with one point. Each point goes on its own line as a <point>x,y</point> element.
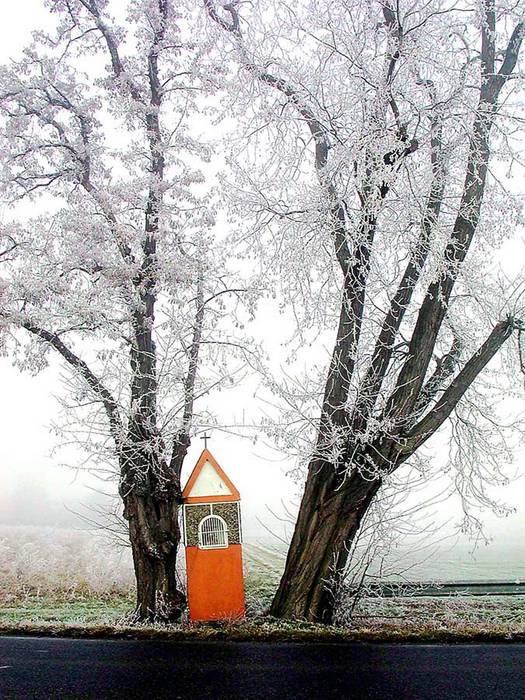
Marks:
<point>428,425</point>
<point>182,440</point>
<point>401,300</point>
<point>112,44</point>
<point>434,306</point>
<point>110,405</point>
<point>445,368</point>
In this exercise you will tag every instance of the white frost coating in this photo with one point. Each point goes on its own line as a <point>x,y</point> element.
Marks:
<point>210,483</point>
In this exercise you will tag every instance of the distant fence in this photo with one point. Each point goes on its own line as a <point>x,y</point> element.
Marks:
<point>395,589</point>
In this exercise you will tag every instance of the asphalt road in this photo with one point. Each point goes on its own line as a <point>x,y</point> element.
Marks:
<point>65,668</point>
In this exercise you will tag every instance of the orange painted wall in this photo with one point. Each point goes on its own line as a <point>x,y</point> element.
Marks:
<point>215,583</point>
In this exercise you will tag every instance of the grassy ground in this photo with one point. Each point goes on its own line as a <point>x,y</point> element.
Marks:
<point>64,583</point>
<point>64,609</point>
<point>496,610</point>
<point>401,619</point>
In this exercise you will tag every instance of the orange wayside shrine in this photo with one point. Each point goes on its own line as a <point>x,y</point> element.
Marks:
<point>213,541</point>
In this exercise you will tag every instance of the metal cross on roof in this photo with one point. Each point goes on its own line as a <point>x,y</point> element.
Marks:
<point>206,438</point>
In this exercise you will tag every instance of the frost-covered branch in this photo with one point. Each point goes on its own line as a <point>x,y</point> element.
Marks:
<point>182,439</point>
<point>434,306</point>
<point>79,366</point>
<point>450,398</point>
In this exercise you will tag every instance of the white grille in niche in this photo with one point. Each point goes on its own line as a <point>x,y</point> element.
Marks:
<point>213,533</point>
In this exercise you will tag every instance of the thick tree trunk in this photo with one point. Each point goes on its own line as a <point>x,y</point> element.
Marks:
<point>154,534</point>
<point>329,518</point>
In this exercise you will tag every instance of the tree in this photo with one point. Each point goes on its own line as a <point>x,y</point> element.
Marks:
<point>373,176</point>
<point>109,258</point>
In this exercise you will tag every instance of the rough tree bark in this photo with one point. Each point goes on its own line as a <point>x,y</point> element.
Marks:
<point>152,512</point>
<point>327,523</point>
